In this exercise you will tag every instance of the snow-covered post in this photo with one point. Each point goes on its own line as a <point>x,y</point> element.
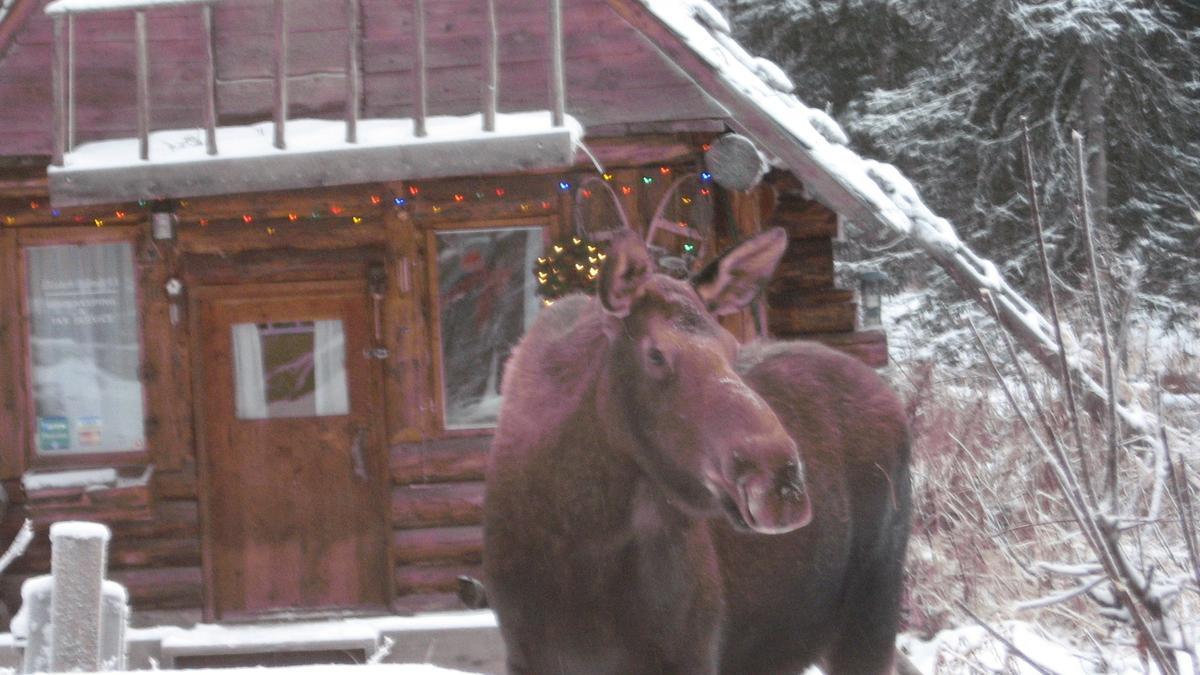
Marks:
<point>114,617</point>
<point>33,621</point>
<point>77,563</point>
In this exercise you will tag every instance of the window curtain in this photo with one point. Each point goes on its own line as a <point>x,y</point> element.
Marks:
<point>249,381</point>
<point>329,366</point>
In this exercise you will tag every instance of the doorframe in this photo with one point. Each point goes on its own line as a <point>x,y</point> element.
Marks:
<point>274,290</point>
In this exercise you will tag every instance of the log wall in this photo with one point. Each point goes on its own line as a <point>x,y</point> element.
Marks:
<point>435,493</point>
<point>613,76</point>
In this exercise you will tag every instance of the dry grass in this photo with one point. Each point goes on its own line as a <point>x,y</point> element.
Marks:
<point>989,514</point>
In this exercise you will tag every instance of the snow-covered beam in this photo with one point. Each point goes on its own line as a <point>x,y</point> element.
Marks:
<point>316,156</point>
<point>757,96</point>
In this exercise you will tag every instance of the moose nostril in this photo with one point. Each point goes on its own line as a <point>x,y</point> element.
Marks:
<point>790,480</point>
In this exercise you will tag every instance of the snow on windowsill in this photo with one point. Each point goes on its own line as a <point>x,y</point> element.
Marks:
<point>178,146</point>
<point>87,479</point>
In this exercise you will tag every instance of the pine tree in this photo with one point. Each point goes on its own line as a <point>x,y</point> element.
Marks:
<point>940,89</point>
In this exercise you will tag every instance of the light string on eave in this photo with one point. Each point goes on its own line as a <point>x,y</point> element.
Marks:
<point>412,197</point>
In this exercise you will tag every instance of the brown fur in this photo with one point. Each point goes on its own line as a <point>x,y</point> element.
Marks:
<point>598,559</point>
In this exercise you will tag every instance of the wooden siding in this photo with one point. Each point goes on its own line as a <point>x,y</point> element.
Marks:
<point>613,75</point>
<point>434,477</point>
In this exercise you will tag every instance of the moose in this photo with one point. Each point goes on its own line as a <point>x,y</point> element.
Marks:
<point>661,499</point>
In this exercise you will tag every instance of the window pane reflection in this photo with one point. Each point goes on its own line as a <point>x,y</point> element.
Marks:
<point>290,369</point>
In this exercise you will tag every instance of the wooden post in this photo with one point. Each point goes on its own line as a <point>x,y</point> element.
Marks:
<point>77,565</point>
<point>58,74</point>
<point>281,56</point>
<point>420,102</point>
<point>353,81</point>
<point>143,85</point>
<point>210,81</point>
<point>70,82</point>
<point>491,65</point>
<point>558,96</point>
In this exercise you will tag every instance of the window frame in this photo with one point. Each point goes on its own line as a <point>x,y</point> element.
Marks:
<point>548,223</point>
<point>78,236</point>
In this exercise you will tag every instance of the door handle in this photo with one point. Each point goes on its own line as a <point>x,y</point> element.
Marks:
<point>357,460</point>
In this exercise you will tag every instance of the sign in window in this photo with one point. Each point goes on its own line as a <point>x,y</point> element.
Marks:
<point>84,349</point>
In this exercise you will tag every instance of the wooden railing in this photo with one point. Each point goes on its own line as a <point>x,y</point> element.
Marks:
<point>64,13</point>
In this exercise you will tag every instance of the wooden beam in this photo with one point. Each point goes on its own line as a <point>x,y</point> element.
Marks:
<point>14,21</point>
<point>143,84</point>
<point>58,84</point>
<point>491,67</point>
<point>353,76</point>
<point>210,81</point>
<point>558,88</point>
<point>420,70</point>
<point>71,127</point>
<point>281,78</point>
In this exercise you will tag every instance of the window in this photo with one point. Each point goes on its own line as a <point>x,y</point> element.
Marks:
<point>84,349</point>
<point>291,369</point>
<point>486,298</point>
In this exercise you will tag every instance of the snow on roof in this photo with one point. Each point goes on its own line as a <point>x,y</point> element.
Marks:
<point>82,6</point>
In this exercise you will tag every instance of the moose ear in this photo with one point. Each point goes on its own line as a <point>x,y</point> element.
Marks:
<point>625,272</point>
<point>730,282</point>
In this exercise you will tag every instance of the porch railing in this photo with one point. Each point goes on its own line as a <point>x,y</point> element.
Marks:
<point>64,13</point>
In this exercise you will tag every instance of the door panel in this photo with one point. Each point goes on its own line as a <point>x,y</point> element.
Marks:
<point>295,475</point>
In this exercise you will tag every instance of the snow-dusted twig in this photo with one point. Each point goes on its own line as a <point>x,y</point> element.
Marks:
<point>1128,590</point>
<point>18,546</point>
<point>1059,598</point>
<point>1035,215</point>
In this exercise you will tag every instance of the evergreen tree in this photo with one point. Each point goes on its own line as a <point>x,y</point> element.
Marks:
<point>940,87</point>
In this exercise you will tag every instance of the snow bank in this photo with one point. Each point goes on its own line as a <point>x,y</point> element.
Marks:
<point>972,649</point>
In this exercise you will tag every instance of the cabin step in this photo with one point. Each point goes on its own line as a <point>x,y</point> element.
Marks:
<point>273,645</point>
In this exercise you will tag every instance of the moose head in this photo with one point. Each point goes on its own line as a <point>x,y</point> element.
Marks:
<point>695,428</point>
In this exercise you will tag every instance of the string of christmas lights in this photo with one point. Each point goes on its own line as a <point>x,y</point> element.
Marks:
<point>411,196</point>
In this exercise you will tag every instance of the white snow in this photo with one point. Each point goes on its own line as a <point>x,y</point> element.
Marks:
<point>304,136</point>
<point>301,632</point>
<point>50,480</point>
<point>972,649</point>
<point>80,6</point>
<point>78,529</point>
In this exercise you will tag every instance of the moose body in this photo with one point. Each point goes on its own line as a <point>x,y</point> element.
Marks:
<point>660,500</point>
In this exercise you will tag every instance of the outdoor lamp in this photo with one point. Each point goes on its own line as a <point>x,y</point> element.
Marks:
<point>871,283</point>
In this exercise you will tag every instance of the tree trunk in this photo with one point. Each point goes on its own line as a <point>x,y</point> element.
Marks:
<point>1092,99</point>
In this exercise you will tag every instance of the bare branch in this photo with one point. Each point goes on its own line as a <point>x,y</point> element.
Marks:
<point>1035,215</point>
<point>1111,425</point>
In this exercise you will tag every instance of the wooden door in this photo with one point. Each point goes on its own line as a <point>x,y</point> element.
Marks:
<point>294,475</point>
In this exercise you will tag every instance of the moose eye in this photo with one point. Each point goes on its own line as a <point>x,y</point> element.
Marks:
<point>656,357</point>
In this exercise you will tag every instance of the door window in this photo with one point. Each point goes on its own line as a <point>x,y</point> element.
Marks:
<point>84,349</point>
<point>289,369</point>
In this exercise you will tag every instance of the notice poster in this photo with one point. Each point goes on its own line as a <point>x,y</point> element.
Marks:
<point>85,348</point>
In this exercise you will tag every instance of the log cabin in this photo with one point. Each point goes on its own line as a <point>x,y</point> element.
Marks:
<point>261,262</point>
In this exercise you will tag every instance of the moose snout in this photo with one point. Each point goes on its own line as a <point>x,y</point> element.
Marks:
<point>768,491</point>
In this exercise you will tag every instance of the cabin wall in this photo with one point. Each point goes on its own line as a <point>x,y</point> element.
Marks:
<point>434,475</point>
<point>613,75</point>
